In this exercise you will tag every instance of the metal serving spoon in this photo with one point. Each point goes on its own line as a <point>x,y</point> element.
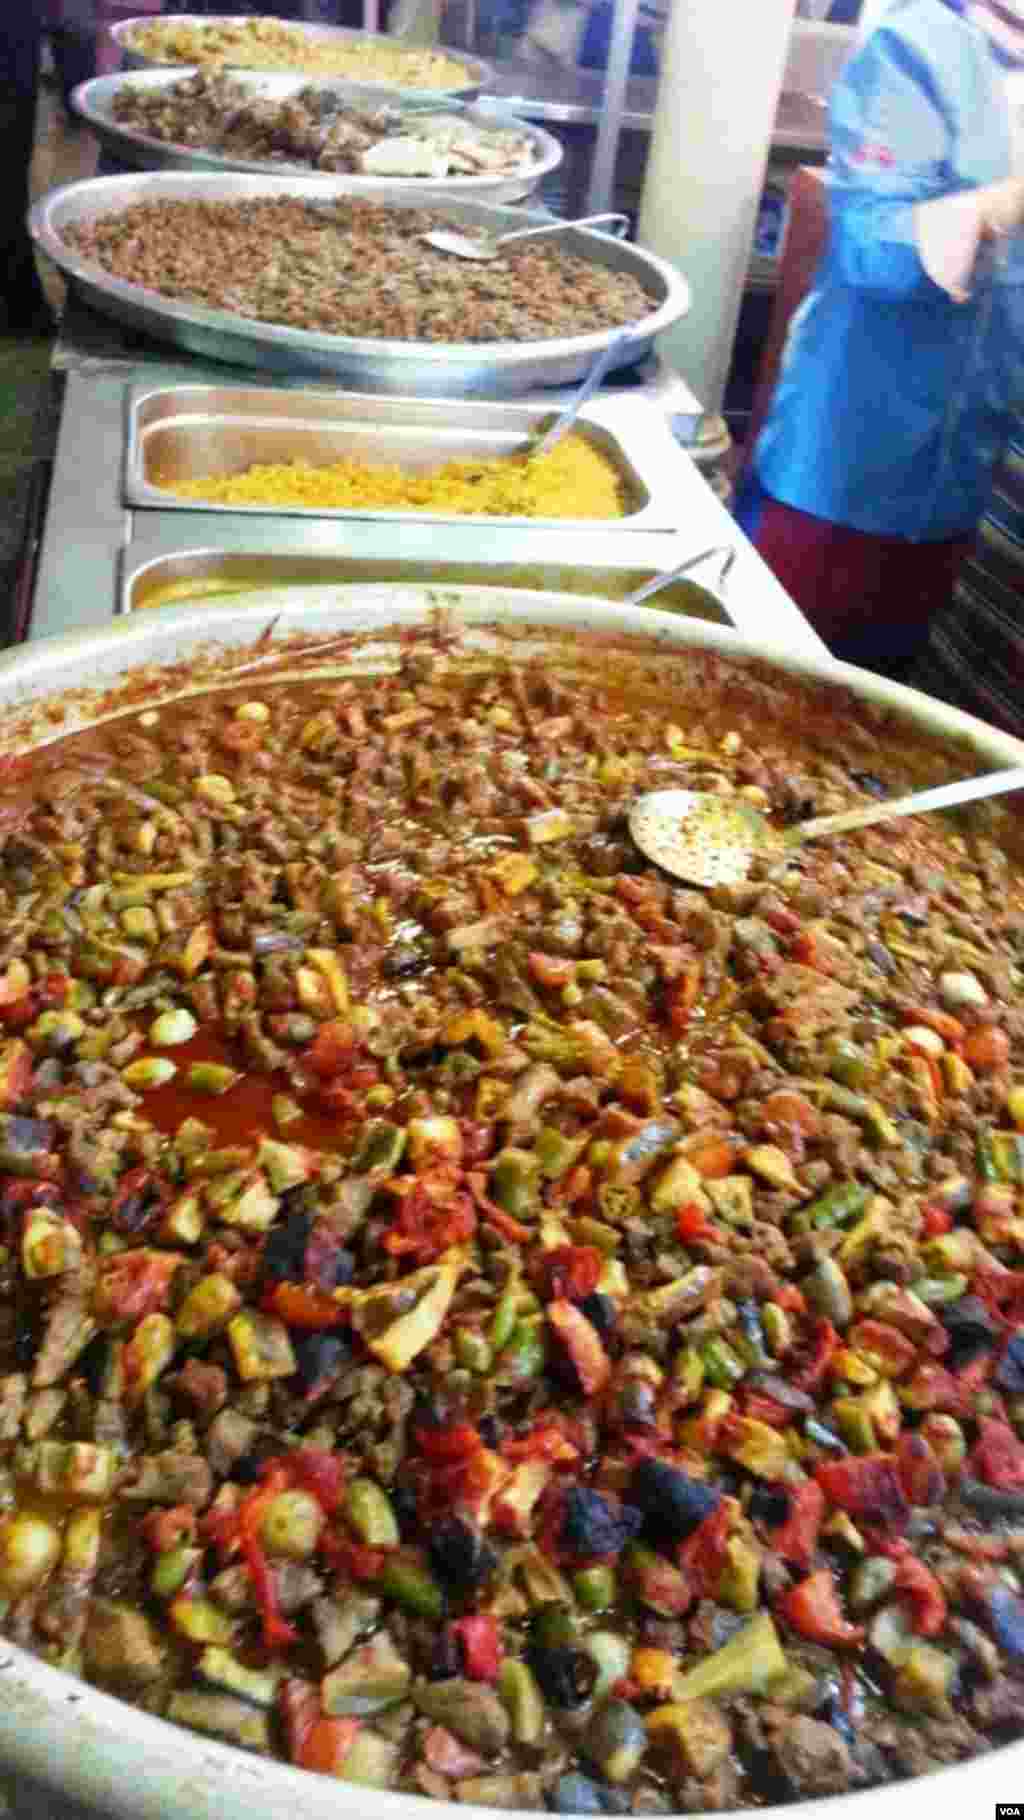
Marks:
<point>711,840</point>
<point>564,421</point>
<point>448,240</point>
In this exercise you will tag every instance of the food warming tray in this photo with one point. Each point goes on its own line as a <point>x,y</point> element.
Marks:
<point>84,1745</point>
<point>479,75</point>
<point>184,433</point>
<point>281,580</point>
<point>496,368</point>
<point>94,102</point>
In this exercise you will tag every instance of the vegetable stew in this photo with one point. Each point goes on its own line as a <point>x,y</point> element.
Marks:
<point>477,1318</point>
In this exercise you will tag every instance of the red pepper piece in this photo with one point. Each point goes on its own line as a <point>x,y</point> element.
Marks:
<point>582,1342</point>
<point>431,1217</point>
<point>300,1305</point>
<point>702,1555</point>
<point>867,1488</point>
<point>797,1538</point>
<point>315,1470</point>
<point>814,1356</point>
<point>692,1224</point>
<point>790,1299</point>
<point>951,1030</point>
<point>327,1744</point>
<point>355,1559</point>
<point>482,1648</point>
<point>998,1456</point>
<point>250,1513</point>
<point>813,1609</point>
<point>163,1529</point>
<point>923,1594</point>
<point>551,970</point>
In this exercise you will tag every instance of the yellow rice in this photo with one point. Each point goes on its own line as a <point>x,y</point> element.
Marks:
<point>266,44</point>
<point>576,480</point>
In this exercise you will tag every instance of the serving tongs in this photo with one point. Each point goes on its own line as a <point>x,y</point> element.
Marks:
<point>448,240</point>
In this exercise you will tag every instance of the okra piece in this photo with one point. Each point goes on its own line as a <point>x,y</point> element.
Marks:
<point>984,1156</point>
<point>513,1182</point>
<point>411,1588</point>
<point>149,1071</point>
<point>472,1350</point>
<point>937,1291</point>
<point>370,1512</point>
<point>778,1329</point>
<point>381,1147</point>
<point>722,1367</point>
<point>506,1314</point>
<point>172,1028</point>
<point>849,1064</point>
<point>595,1588</point>
<point>555,1153</point>
<point>172,1569</point>
<point>837,1206</point>
<point>211,1077</point>
<point>523,1702</point>
<point>526,1353</point>
<point>1007,1151</point>
<point>200,1621</point>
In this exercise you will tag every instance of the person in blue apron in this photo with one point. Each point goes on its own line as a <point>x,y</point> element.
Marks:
<point>904,360</point>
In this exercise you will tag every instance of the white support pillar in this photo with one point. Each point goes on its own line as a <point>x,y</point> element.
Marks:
<point>722,68</point>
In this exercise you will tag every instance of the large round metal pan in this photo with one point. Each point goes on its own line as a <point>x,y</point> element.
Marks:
<point>447,369</point>
<point>479,75</point>
<point>94,103</point>
<point>116,1762</point>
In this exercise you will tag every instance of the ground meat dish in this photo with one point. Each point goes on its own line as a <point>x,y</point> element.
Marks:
<point>478,1317</point>
<point>215,113</point>
<point>354,268</point>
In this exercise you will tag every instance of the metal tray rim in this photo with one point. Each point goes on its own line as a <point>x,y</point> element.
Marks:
<point>639,434</point>
<point>227,336</point>
<point>479,75</point>
<point>136,563</point>
<point>92,102</point>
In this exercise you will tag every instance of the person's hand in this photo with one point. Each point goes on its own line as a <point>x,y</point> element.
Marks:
<point>1002,208</point>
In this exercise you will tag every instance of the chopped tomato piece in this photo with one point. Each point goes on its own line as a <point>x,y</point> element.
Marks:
<point>327,1744</point>
<point>546,1440</point>
<point>761,1408</point>
<point>331,1050</point>
<point>162,1529</point>
<point>300,1305</point>
<point>481,1645</point>
<point>986,1049</point>
<point>135,1283</point>
<point>867,1488</point>
<point>814,1357</point>
<point>790,1299</point>
<point>582,1342</point>
<point>551,970</point>
<point>354,1559</point>
<point>315,1470</point>
<point>454,1441</point>
<point>570,1272</point>
<point>431,1218</point>
<point>788,1108</point>
<point>813,1609</point>
<point>921,1476</point>
<point>299,1705</point>
<point>923,1594</point>
<point>884,1346</point>
<point>702,1555</point>
<point>797,1538</point>
<point>998,1456</point>
<point>713,1156</point>
<point>935,1222</point>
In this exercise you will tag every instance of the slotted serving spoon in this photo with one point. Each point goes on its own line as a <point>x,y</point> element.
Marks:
<point>448,240</point>
<point>712,840</point>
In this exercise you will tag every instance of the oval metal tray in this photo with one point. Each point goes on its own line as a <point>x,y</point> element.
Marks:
<point>479,74</point>
<point>487,369</point>
<point>94,103</point>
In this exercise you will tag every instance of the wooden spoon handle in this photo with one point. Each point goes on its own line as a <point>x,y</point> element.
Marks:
<point>943,796</point>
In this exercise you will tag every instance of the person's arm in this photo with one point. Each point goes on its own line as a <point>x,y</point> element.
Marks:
<point>898,229</point>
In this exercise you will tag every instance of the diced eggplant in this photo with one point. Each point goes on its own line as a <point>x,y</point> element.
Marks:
<point>27,1145</point>
<point>673,1503</point>
<point>121,1647</point>
<point>222,1716</point>
<point>472,1711</point>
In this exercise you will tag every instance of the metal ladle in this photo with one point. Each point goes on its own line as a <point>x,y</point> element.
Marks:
<point>712,840</point>
<point>448,240</point>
